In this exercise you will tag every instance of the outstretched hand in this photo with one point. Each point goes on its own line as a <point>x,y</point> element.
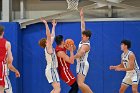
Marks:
<point>119,69</point>
<point>112,67</point>
<point>43,20</point>
<point>116,68</point>
<point>81,12</point>
<point>54,22</point>
<point>70,47</point>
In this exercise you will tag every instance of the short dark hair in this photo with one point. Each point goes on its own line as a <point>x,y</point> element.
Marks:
<point>126,42</point>
<point>42,42</point>
<point>1,30</point>
<point>87,33</point>
<point>58,39</point>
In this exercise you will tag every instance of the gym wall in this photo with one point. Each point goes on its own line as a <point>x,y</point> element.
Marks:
<point>29,58</point>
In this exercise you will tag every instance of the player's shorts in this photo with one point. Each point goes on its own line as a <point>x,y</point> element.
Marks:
<point>131,78</point>
<point>52,75</point>
<point>138,71</point>
<point>8,87</point>
<point>67,76</point>
<point>82,68</point>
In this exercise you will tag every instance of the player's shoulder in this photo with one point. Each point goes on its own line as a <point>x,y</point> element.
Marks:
<point>8,43</point>
<point>86,44</point>
<point>57,49</point>
<point>131,53</point>
<point>61,54</point>
<point>122,54</point>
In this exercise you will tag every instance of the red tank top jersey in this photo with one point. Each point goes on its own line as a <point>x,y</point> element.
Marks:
<point>64,69</point>
<point>64,64</point>
<point>3,52</point>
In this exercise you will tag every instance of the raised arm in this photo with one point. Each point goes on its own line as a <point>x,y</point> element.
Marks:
<point>82,20</point>
<point>48,34</point>
<point>54,23</point>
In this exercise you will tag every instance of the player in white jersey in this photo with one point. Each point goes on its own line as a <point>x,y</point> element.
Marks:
<point>52,63</point>
<point>8,86</point>
<point>82,57</point>
<point>128,64</point>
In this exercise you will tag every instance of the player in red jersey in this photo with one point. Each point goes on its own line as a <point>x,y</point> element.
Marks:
<point>64,62</point>
<point>5,58</point>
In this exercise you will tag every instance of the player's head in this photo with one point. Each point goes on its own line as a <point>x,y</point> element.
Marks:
<point>125,44</point>
<point>1,30</point>
<point>59,40</point>
<point>86,35</point>
<point>42,42</point>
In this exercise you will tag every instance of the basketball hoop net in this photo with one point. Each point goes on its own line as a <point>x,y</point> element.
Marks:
<point>73,4</point>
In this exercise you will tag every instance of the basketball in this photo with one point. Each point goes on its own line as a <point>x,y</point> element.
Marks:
<point>69,42</point>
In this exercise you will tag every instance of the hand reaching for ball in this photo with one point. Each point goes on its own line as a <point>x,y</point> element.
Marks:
<point>69,44</point>
<point>70,48</point>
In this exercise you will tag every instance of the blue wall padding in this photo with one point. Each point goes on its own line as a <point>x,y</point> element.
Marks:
<point>29,58</point>
<point>13,34</point>
<point>112,35</point>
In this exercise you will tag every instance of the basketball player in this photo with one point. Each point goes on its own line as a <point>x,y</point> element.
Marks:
<point>64,62</point>
<point>5,53</point>
<point>82,56</point>
<point>8,86</point>
<point>128,64</point>
<point>52,63</point>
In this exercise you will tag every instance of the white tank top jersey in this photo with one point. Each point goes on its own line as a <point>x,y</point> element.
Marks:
<point>125,60</point>
<point>84,58</point>
<point>51,59</point>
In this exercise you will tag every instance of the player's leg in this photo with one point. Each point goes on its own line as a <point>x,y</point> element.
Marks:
<point>56,80</point>
<point>123,88</point>
<point>9,90</point>
<point>82,69</point>
<point>68,78</point>
<point>84,88</point>
<point>125,83</point>
<point>135,80</point>
<point>74,88</point>
<point>1,89</point>
<point>8,87</point>
<point>135,88</point>
<point>56,87</point>
<point>2,84</point>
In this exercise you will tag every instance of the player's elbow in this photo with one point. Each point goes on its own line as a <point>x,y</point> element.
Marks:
<point>71,61</point>
<point>10,60</point>
<point>10,66</point>
<point>49,36</point>
<point>132,68</point>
